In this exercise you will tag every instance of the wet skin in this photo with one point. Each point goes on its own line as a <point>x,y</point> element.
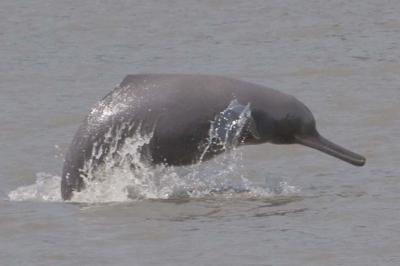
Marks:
<point>178,109</point>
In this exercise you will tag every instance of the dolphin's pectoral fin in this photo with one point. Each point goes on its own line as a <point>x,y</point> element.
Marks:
<point>234,125</point>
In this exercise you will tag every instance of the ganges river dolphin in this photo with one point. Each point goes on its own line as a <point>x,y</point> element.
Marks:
<point>185,115</point>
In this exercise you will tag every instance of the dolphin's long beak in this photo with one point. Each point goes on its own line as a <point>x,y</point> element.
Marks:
<point>320,143</point>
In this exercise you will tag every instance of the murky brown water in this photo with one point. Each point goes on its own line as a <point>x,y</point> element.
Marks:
<point>342,59</point>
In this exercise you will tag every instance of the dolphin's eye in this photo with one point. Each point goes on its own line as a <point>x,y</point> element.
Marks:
<point>292,122</point>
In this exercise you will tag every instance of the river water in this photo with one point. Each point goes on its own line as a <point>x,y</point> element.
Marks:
<point>341,58</point>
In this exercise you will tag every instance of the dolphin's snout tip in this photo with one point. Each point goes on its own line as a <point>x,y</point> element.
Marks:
<point>320,143</point>
<point>361,161</point>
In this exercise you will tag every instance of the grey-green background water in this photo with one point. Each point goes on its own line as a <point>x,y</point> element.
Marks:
<point>341,58</point>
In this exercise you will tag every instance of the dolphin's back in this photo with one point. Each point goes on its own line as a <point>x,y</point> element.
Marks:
<point>176,108</point>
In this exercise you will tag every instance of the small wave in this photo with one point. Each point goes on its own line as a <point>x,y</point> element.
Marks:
<point>158,183</point>
<point>46,188</point>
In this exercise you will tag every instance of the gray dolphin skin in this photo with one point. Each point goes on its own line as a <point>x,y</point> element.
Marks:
<point>178,110</point>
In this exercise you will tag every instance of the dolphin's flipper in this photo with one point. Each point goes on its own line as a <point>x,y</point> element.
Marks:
<point>251,128</point>
<point>231,124</point>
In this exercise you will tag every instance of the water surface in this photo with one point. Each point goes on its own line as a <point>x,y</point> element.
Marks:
<point>340,58</point>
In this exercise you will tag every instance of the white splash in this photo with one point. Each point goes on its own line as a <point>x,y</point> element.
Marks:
<point>124,176</point>
<point>46,188</point>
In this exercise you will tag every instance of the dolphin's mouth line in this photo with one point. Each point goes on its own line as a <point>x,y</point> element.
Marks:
<point>322,144</point>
